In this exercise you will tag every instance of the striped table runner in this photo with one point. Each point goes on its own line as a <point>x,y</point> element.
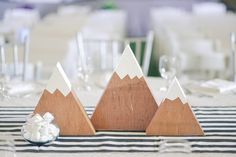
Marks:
<point>219,125</point>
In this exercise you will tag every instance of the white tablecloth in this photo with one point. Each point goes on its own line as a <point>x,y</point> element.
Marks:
<point>90,98</point>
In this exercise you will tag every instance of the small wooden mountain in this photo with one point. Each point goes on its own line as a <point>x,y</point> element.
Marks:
<point>127,103</point>
<point>174,116</point>
<point>60,100</point>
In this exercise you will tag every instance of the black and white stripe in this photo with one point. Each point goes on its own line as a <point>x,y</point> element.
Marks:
<point>218,123</point>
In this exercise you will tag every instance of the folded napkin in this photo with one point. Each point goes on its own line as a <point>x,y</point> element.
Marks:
<point>213,87</point>
<point>20,89</point>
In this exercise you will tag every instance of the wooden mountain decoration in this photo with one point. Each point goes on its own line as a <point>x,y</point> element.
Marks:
<point>127,103</point>
<point>59,99</point>
<point>174,116</point>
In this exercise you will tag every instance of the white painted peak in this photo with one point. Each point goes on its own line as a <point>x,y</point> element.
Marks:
<point>59,80</point>
<point>128,65</point>
<point>176,91</point>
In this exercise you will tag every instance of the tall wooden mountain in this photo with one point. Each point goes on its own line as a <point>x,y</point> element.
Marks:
<point>127,103</point>
<point>59,99</point>
<point>174,116</point>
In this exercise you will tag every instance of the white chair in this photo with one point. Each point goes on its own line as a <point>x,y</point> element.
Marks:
<point>100,31</point>
<point>233,57</point>
<point>217,27</point>
<point>105,24</point>
<point>110,50</point>
<point>184,35</point>
<point>73,10</point>
<point>148,40</point>
<point>20,18</point>
<point>166,22</point>
<point>51,37</point>
<point>167,14</point>
<point>206,8</point>
<point>14,59</point>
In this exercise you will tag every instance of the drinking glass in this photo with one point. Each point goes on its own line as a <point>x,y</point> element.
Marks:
<point>174,145</point>
<point>168,68</point>
<point>3,74</point>
<point>84,64</point>
<point>84,72</point>
<point>7,146</point>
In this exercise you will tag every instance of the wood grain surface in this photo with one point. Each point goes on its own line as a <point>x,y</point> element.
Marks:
<point>173,118</point>
<point>126,104</point>
<point>69,114</point>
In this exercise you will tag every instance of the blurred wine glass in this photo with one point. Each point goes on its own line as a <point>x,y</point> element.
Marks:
<point>7,146</point>
<point>3,74</point>
<point>168,68</point>
<point>84,64</point>
<point>84,72</point>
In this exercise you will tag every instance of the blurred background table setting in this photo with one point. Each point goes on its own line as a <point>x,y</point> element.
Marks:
<point>194,41</point>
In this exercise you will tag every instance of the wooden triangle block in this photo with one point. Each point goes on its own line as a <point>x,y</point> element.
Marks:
<point>62,102</point>
<point>127,103</point>
<point>174,116</point>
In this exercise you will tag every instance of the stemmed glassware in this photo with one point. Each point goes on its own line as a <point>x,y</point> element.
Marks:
<point>84,72</point>
<point>3,74</point>
<point>168,68</point>
<point>84,63</point>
